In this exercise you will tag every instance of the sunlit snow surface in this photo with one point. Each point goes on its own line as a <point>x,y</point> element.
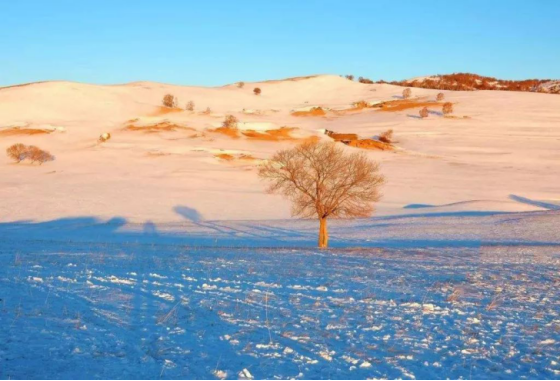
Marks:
<point>141,310</point>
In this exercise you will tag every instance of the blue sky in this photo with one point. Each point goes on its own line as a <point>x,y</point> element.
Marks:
<point>217,42</point>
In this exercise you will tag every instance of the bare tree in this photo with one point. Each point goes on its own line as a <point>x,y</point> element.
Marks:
<point>17,152</point>
<point>406,93</point>
<point>386,137</point>
<point>447,108</point>
<point>230,122</point>
<point>323,180</point>
<point>190,106</point>
<point>35,154</point>
<point>169,100</point>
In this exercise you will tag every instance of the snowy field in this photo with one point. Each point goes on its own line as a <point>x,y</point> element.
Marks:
<point>451,296</point>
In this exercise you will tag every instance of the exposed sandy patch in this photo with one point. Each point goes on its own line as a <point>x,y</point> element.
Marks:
<point>369,144</point>
<point>405,104</point>
<point>161,110</point>
<point>158,127</point>
<point>282,133</point>
<point>339,137</point>
<point>314,111</point>
<point>17,131</point>
<point>231,132</point>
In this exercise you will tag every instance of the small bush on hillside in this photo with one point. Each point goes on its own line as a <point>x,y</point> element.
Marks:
<point>240,84</point>
<point>21,152</point>
<point>386,137</point>
<point>17,152</point>
<point>349,77</point>
<point>424,112</point>
<point>169,100</point>
<point>447,108</point>
<point>190,106</point>
<point>207,111</point>
<point>104,137</point>
<point>365,80</point>
<point>440,97</point>
<point>230,122</point>
<point>257,91</point>
<point>361,104</point>
<point>406,93</point>
<point>37,155</point>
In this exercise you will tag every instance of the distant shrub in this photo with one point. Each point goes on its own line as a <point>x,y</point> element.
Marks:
<point>230,122</point>
<point>240,84</point>
<point>447,108</point>
<point>169,100</point>
<point>361,104</point>
<point>17,152</point>
<point>406,93</point>
<point>424,112</point>
<point>386,137</point>
<point>37,155</point>
<point>207,111</point>
<point>440,97</point>
<point>349,77</point>
<point>365,80</point>
<point>190,106</point>
<point>257,91</point>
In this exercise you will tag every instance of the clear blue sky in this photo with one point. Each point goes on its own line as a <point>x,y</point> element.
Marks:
<point>217,42</point>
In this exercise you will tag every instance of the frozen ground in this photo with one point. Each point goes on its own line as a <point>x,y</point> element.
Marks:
<point>461,295</point>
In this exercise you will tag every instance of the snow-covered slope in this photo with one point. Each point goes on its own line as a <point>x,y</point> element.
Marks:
<point>498,153</point>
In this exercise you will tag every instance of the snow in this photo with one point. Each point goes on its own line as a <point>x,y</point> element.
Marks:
<point>84,300</point>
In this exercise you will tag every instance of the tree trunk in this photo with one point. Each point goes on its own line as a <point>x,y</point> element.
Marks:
<point>323,233</point>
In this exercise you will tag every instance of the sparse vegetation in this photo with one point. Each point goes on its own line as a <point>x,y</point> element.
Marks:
<point>365,80</point>
<point>190,106</point>
<point>230,122</point>
<point>447,108</point>
<point>257,91</point>
<point>324,181</point>
<point>424,112</point>
<point>17,152</point>
<point>240,84</point>
<point>361,104</point>
<point>406,93</point>
<point>349,77</point>
<point>440,97</point>
<point>170,100</point>
<point>386,137</point>
<point>20,152</point>
<point>208,111</point>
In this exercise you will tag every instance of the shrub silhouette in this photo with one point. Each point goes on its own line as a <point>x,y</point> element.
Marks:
<point>440,97</point>
<point>240,84</point>
<point>361,104</point>
<point>386,137</point>
<point>104,137</point>
<point>17,152</point>
<point>37,155</point>
<point>424,112</point>
<point>169,100</point>
<point>230,122</point>
<point>257,91</point>
<point>447,108</point>
<point>190,106</point>
<point>365,80</point>
<point>207,111</point>
<point>406,93</point>
<point>324,181</point>
<point>349,77</point>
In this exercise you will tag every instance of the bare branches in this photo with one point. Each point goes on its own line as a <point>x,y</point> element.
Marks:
<point>321,179</point>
